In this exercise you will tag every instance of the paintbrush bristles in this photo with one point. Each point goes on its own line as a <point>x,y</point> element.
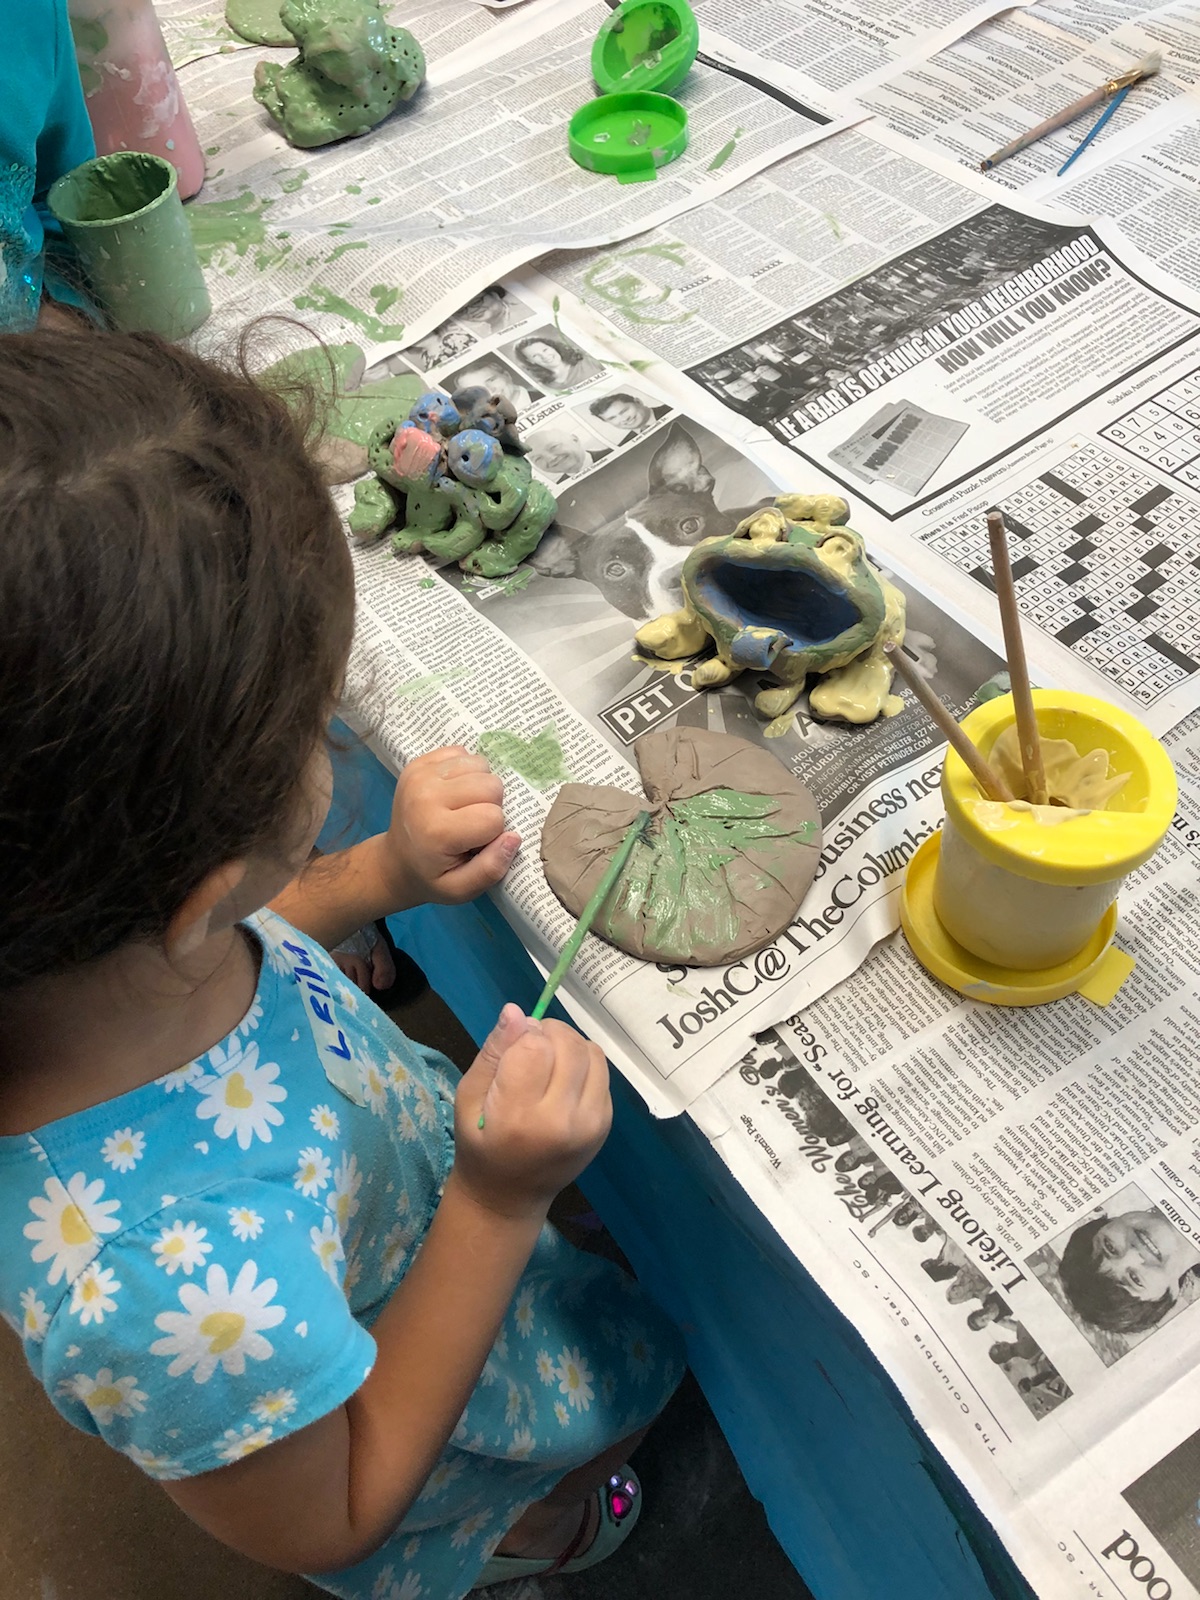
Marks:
<point>1018,670</point>
<point>985,775</point>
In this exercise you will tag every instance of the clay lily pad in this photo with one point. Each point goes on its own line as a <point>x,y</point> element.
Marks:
<point>731,848</point>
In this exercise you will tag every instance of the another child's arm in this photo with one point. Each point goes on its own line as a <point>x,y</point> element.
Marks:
<point>330,1494</point>
<point>446,843</point>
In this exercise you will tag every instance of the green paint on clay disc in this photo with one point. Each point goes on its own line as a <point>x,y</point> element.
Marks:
<point>538,760</point>
<point>257,21</point>
<point>732,846</point>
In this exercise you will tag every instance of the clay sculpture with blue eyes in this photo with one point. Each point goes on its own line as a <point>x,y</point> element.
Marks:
<point>353,70</point>
<point>789,593</point>
<point>457,491</point>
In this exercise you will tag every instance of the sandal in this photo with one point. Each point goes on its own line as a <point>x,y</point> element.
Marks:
<point>620,1502</point>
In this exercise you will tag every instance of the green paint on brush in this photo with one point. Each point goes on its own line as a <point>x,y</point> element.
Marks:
<point>675,879</point>
<point>418,688</point>
<point>227,229</point>
<point>538,760</point>
<point>317,298</point>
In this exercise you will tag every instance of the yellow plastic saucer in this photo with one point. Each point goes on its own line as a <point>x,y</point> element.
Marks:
<point>946,959</point>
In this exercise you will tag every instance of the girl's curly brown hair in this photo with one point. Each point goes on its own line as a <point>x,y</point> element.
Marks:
<point>177,602</point>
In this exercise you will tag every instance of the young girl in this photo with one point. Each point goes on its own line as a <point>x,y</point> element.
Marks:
<point>250,1234</point>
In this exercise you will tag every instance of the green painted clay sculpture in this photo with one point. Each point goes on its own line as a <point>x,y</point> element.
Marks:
<point>353,69</point>
<point>789,592</point>
<point>351,409</point>
<point>455,491</point>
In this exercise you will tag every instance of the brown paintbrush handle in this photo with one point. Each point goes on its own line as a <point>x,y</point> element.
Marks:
<point>1018,670</point>
<point>988,779</point>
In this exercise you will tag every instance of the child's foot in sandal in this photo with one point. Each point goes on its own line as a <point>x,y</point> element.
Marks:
<point>610,1516</point>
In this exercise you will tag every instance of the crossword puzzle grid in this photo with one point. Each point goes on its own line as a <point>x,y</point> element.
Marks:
<point>1165,430</point>
<point>1107,561</point>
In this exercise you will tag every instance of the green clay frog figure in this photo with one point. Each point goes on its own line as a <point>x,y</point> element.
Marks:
<point>456,492</point>
<point>791,593</point>
<point>353,69</point>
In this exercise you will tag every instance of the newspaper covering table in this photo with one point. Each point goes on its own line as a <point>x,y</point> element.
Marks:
<point>1005,1203</point>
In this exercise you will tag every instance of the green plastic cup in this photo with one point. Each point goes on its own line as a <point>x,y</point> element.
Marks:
<point>123,214</point>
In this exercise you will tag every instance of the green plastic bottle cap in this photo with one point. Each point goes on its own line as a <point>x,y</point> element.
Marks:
<point>628,135</point>
<point>646,44</point>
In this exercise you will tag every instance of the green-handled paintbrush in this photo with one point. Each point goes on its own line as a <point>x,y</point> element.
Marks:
<point>590,912</point>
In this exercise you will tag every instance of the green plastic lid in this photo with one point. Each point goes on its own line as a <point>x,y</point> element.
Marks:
<point>628,135</point>
<point>646,44</point>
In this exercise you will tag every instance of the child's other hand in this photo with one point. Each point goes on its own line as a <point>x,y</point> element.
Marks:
<point>447,841</point>
<point>541,1090</point>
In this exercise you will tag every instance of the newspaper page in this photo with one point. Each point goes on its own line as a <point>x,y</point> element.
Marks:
<point>389,232</point>
<point>1016,357</point>
<point>552,659</point>
<point>1152,192</point>
<point>973,97</point>
<point>828,49</point>
<point>1007,1204</point>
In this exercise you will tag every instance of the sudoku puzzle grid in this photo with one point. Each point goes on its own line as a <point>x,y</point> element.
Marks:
<point>1165,429</point>
<point>1106,560</point>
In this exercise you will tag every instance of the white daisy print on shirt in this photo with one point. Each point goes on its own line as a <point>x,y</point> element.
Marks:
<point>236,1444</point>
<point>220,1325</point>
<point>252,1018</point>
<point>521,1446</point>
<point>94,1294</point>
<point>274,1405</point>
<point>410,1589</point>
<point>397,1073</point>
<point>34,1320</point>
<point>575,1380</point>
<point>327,1246</point>
<point>426,1107</point>
<point>246,1224</point>
<point>153,1464</point>
<point>243,1099</point>
<point>406,1127</point>
<point>523,1315</point>
<point>442,1476</point>
<point>313,1172</point>
<point>374,1086</point>
<point>512,1408</point>
<point>396,1246</point>
<point>326,1122</point>
<point>181,1248</point>
<point>544,1362</point>
<point>180,1078</point>
<point>348,998</point>
<point>563,1415</point>
<point>469,1527</point>
<point>123,1149</point>
<point>70,1219</point>
<point>105,1397</point>
<point>343,1202</point>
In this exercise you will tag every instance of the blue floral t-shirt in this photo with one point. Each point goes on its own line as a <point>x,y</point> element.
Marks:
<point>195,1266</point>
